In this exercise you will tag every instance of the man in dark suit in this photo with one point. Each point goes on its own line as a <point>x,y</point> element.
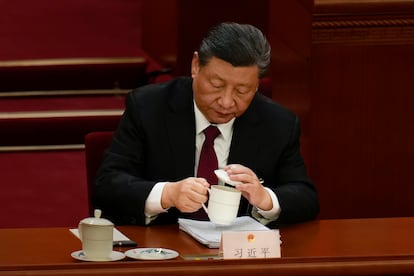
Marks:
<point>149,172</point>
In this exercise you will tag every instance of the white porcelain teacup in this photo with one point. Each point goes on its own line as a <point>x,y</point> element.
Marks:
<point>223,204</point>
<point>96,235</point>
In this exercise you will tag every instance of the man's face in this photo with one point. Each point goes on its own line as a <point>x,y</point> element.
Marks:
<point>222,91</point>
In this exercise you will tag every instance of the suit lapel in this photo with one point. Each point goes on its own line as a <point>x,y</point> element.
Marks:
<point>245,141</point>
<point>245,146</point>
<point>181,131</point>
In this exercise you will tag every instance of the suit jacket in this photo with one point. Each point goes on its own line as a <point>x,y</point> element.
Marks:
<point>155,141</point>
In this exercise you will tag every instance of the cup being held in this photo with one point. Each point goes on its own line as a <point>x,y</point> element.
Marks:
<point>223,204</point>
<point>224,201</point>
<point>96,235</point>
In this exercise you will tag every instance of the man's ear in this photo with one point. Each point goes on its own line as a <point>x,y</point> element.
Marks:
<point>195,64</point>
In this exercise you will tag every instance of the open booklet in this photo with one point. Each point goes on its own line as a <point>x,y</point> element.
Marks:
<point>209,233</point>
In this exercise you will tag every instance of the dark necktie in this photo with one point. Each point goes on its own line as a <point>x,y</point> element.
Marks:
<point>208,158</point>
<point>206,165</point>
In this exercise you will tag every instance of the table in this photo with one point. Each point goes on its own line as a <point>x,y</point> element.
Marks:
<point>380,246</point>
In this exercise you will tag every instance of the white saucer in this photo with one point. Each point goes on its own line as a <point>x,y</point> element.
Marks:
<point>151,254</point>
<point>115,256</point>
<point>223,176</point>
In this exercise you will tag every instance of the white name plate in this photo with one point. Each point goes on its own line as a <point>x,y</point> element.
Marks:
<point>250,244</point>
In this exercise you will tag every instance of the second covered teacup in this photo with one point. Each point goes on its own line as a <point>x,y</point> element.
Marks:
<point>96,234</point>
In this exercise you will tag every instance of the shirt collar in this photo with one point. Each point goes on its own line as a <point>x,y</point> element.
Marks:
<point>226,129</point>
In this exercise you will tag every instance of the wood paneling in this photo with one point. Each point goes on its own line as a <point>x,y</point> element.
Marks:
<point>290,30</point>
<point>159,30</point>
<point>361,108</point>
<point>174,31</point>
<point>195,19</point>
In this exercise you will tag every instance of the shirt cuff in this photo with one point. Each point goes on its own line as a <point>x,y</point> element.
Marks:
<point>270,215</point>
<point>153,205</point>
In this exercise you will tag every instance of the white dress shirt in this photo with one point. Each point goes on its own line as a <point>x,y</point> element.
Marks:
<point>222,147</point>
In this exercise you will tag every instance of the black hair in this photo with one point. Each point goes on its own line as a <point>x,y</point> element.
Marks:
<point>237,44</point>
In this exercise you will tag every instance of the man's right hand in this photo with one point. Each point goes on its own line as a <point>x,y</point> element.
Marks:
<point>186,195</point>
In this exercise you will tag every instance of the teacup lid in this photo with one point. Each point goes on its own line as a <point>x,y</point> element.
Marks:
<point>97,220</point>
<point>223,176</point>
